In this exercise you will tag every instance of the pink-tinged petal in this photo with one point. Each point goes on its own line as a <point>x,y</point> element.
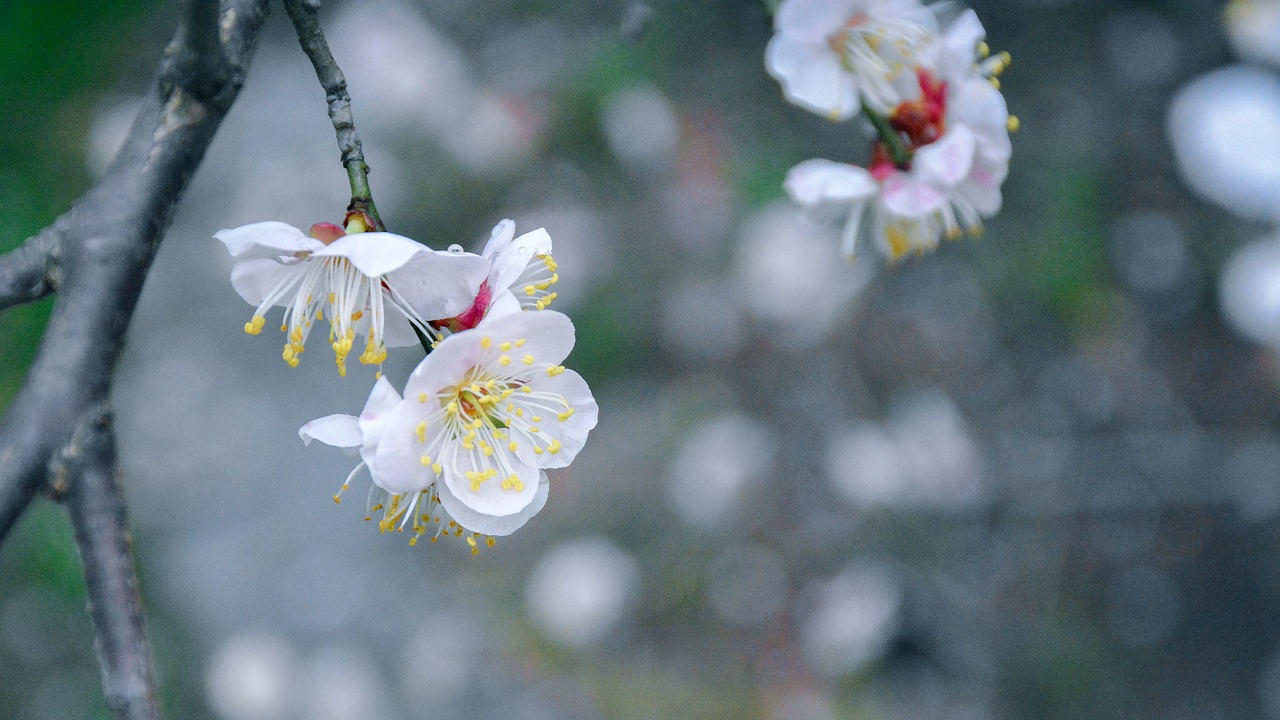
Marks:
<point>438,284</point>
<point>814,20</point>
<point>818,181</point>
<point>397,465</point>
<point>267,238</point>
<point>512,261</point>
<point>946,162</point>
<point>489,524</point>
<point>571,432</point>
<point>374,253</point>
<point>910,196</point>
<point>489,497</point>
<point>256,278</point>
<point>499,238</point>
<point>812,77</point>
<point>337,430</point>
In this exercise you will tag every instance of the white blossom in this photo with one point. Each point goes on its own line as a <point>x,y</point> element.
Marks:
<point>831,55</point>
<point>356,278</point>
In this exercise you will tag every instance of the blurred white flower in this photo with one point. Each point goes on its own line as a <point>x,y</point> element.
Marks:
<point>1250,292</point>
<point>957,135</point>
<point>249,677</point>
<point>854,616</point>
<point>786,277</point>
<point>357,277</point>
<point>832,55</point>
<point>642,128</point>
<point>579,591</point>
<point>717,465</point>
<point>1225,130</point>
<point>1254,29</point>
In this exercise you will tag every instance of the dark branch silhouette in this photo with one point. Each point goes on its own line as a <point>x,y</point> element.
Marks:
<point>97,254</point>
<point>97,512</point>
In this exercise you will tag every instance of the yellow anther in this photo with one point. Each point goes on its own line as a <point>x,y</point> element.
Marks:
<point>485,342</point>
<point>554,370</point>
<point>476,425</point>
<point>437,468</point>
<point>534,430</point>
<point>332,298</point>
<point>451,408</point>
<point>519,412</point>
<point>505,346</point>
<point>520,342</point>
<point>422,397</point>
<point>487,450</point>
<point>319,315</point>
<point>529,289</point>
<point>504,360</point>
<point>537,450</point>
<point>284,328</point>
<point>357,315</point>
<point>527,359</point>
<point>526,389</point>
<point>554,447</point>
<point>565,415</point>
<point>536,418</point>
<point>995,83</point>
<point>513,446</point>
<point>413,541</point>
<point>1013,123</point>
<point>336,499</point>
<point>471,541</point>
<point>983,50</point>
<point>254,326</point>
<point>425,460</point>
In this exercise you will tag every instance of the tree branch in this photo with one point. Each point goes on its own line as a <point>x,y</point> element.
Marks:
<point>97,511</point>
<point>100,250</point>
<point>311,37</point>
<point>25,271</point>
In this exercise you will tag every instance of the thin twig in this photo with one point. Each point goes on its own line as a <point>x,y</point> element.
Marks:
<point>311,37</point>
<point>99,252</point>
<point>97,512</point>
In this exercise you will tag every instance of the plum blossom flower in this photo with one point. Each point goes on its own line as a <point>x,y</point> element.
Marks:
<point>403,505</point>
<point>832,55</point>
<point>956,132</point>
<point>521,274</point>
<point>356,278</point>
<point>484,413</point>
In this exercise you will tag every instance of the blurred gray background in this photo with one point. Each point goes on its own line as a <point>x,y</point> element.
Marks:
<point>1032,475</point>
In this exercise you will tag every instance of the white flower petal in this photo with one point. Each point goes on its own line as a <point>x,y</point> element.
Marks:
<point>818,181</point>
<point>910,196</point>
<point>814,20</point>
<point>572,431</point>
<point>337,430</point>
<point>257,277</point>
<point>397,466</point>
<point>504,302</point>
<point>489,524</point>
<point>508,264</point>
<point>946,162</point>
<point>812,77</point>
<point>374,253</point>
<point>490,497</point>
<point>437,284</point>
<point>267,238</point>
<point>499,238</point>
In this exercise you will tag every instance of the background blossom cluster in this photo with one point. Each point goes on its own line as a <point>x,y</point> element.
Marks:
<point>942,127</point>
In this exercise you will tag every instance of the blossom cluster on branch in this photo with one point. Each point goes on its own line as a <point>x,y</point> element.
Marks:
<point>463,452</point>
<point>931,95</point>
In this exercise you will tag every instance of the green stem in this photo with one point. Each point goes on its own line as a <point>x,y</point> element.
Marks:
<point>892,141</point>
